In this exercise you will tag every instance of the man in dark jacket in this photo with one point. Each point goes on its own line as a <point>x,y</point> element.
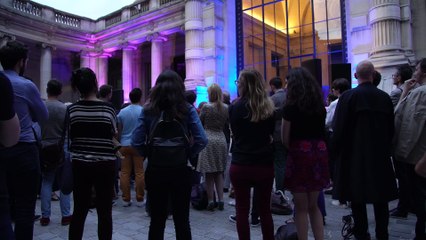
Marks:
<point>363,130</point>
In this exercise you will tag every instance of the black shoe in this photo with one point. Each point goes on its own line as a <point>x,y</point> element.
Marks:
<point>255,222</point>
<point>37,217</point>
<point>398,214</point>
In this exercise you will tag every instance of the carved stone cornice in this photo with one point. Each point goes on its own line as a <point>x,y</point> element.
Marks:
<point>156,37</point>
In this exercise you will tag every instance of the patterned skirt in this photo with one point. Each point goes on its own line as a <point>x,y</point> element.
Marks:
<point>307,166</point>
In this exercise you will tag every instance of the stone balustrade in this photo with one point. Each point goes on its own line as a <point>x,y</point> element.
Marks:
<point>69,20</point>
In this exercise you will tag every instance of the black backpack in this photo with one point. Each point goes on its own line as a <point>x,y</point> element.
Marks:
<point>168,143</point>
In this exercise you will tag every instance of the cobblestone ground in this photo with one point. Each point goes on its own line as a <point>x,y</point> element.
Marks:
<point>132,223</point>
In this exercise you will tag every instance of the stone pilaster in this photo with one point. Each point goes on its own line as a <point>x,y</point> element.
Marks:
<point>156,56</point>
<point>127,70</point>
<point>102,73</point>
<point>194,55</point>
<point>213,43</point>
<point>386,53</point>
<point>45,68</point>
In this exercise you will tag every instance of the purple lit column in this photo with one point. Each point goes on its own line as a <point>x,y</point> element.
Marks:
<point>156,56</point>
<point>127,73</point>
<point>84,60</point>
<point>194,44</point>
<point>45,68</point>
<point>102,69</point>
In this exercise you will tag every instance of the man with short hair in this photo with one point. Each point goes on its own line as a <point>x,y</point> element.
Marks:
<point>127,122</point>
<point>52,132</point>
<point>402,74</point>
<point>280,154</point>
<point>22,160</point>
<point>105,93</point>
<point>410,143</point>
<point>362,136</point>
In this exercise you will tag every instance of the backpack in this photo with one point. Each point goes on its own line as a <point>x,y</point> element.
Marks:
<point>199,197</point>
<point>168,143</point>
<point>199,200</point>
<point>286,232</point>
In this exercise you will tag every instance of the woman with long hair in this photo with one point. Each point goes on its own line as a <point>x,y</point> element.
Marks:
<point>168,178</point>
<point>252,125</point>
<point>303,135</point>
<point>92,125</point>
<point>212,160</point>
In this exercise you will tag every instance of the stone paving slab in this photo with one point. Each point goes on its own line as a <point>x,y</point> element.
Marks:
<point>131,223</point>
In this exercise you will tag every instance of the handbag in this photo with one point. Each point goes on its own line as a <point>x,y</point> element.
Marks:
<point>420,167</point>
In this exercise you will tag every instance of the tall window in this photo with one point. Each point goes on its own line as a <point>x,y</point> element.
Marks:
<point>276,35</point>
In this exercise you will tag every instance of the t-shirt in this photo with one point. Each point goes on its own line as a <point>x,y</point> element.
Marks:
<point>304,125</point>
<point>128,118</point>
<point>6,99</point>
<point>52,129</point>
<point>92,125</point>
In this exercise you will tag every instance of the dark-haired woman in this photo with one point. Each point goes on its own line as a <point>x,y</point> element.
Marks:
<point>92,125</point>
<point>174,181</point>
<point>307,162</point>
<point>252,125</point>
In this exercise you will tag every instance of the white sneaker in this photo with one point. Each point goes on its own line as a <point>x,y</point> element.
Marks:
<point>338,204</point>
<point>127,204</point>
<point>231,203</point>
<point>141,203</point>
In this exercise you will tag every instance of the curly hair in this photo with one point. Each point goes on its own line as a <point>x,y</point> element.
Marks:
<point>304,91</point>
<point>251,87</point>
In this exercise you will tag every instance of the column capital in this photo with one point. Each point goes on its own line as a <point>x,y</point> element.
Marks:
<point>7,35</point>
<point>46,45</point>
<point>156,37</point>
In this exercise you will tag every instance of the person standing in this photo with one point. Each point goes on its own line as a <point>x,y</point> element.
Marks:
<point>170,177</point>
<point>303,134</point>
<point>252,126</point>
<point>22,160</point>
<point>362,135</point>
<point>127,122</point>
<point>9,136</point>
<point>410,143</point>
<point>212,160</point>
<point>402,74</point>
<point>280,153</point>
<point>52,132</point>
<point>92,126</point>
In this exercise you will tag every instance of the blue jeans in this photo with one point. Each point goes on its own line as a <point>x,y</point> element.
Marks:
<point>46,195</point>
<point>22,177</point>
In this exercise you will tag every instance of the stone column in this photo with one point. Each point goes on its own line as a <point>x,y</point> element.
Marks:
<point>137,69</point>
<point>194,44</point>
<point>127,72</point>
<point>386,53</point>
<point>45,68</point>
<point>102,75</point>
<point>84,59</point>
<point>156,56</point>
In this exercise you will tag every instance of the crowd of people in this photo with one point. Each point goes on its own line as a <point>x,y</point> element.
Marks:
<point>365,144</point>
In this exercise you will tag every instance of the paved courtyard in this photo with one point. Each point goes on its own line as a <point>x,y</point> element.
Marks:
<point>132,223</point>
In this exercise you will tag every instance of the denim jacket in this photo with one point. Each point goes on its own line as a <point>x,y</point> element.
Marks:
<point>199,138</point>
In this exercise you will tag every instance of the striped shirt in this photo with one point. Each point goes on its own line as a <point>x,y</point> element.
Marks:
<point>92,125</point>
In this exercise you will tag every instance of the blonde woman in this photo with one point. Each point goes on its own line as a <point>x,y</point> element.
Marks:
<point>212,160</point>
<point>252,125</point>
